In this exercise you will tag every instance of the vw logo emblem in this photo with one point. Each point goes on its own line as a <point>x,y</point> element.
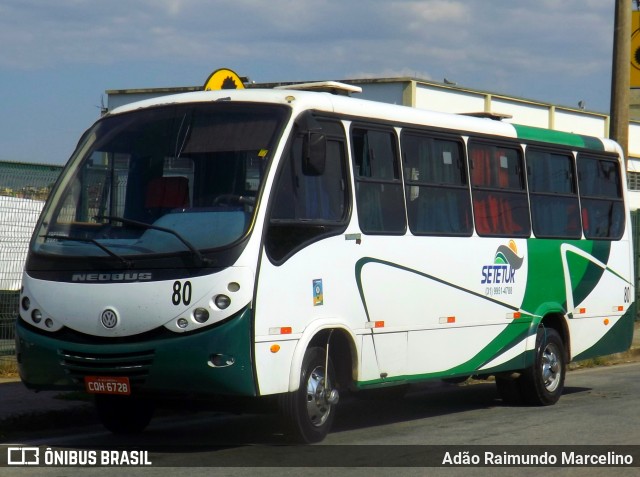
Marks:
<point>109,318</point>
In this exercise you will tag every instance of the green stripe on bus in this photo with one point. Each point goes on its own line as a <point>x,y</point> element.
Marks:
<point>617,340</point>
<point>546,291</point>
<point>558,137</point>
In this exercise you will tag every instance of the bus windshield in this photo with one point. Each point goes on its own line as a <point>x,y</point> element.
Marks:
<point>176,178</point>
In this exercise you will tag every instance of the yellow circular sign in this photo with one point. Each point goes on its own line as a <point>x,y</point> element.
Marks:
<point>223,78</point>
<point>635,59</point>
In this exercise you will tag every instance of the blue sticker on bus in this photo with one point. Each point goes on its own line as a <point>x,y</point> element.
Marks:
<point>318,297</point>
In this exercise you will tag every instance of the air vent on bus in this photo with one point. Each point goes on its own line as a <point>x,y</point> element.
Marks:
<point>489,115</point>
<point>333,87</point>
<point>134,365</point>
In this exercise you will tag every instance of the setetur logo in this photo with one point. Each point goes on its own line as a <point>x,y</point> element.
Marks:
<point>506,262</point>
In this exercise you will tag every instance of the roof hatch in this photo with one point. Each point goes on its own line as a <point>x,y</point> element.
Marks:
<point>333,87</point>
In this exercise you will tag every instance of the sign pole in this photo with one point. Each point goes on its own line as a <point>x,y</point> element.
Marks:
<point>620,77</point>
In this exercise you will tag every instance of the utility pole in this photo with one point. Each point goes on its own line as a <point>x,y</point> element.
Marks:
<point>620,82</point>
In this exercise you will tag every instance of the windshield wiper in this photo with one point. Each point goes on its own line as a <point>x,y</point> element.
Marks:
<point>200,260</point>
<point>109,252</point>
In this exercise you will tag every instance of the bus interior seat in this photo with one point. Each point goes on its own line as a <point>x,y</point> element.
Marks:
<point>585,219</point>
<point>166,193</point>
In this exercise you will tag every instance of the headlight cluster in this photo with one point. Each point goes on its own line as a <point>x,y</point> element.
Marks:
<point>35,314</point>
<point>201,315</point>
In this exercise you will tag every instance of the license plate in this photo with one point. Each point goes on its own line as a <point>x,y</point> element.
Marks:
<point>107,385</point>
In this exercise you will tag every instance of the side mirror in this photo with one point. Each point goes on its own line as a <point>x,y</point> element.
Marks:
<point>314,144</point>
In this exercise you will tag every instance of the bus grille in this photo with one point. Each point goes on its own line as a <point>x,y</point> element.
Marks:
<point>135,365</point>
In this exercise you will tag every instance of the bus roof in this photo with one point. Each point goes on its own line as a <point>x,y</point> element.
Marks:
<point>300,100</point>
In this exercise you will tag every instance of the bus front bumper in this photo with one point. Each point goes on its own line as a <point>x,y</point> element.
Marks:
<point>216,361</point>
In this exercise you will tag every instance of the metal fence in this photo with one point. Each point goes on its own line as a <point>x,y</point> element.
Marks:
<point>23,191</point>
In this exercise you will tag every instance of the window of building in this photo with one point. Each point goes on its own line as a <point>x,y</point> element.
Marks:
<point>633,180</point>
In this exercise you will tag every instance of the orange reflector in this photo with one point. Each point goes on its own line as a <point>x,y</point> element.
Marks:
<point>618,308</point>
<point>447,319</point>
<point>374,324</point>
<point>606,321</point>
<point>285,330</point>
<point>274,348</point>
<point>582,311</point>
<point>451,319</point>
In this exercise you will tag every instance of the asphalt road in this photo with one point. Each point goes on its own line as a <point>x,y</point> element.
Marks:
<point>599,408</point>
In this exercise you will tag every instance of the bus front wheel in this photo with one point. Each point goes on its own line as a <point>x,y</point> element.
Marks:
<point>309,411</point>
<point>542,384</point>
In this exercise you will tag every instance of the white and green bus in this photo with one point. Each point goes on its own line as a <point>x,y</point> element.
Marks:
<point>301,244</point>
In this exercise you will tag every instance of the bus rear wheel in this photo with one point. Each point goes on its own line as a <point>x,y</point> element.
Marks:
<point>309,411</point>
<point>124,414</point>
<point>542,384</point>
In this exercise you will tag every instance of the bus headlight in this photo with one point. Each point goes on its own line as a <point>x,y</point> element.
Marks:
<point>201,315</point>
<point>36,316</point>
<point>26,303</point>
<point>182,323</point>
<point>222,301</point>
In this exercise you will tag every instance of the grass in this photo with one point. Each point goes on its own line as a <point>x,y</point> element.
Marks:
<point>8,368</point>
<point>592,363</point>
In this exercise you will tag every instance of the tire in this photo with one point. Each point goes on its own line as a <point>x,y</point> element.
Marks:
<point>124,414</point>
<point>306,411</point>
<point>542,384</point>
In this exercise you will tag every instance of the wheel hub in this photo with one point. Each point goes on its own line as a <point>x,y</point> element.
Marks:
<point>319,398</point>
<point>550,368</point>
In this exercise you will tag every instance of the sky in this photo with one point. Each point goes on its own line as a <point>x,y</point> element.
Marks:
<point>58,57</point>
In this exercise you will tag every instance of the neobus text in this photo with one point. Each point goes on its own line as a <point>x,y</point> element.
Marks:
<point>111,277</point>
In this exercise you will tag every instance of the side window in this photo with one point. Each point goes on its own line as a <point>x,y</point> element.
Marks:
<point>312,198</point>
<point>378,184</point>
<point>500,205</point>
<point>555,209</point>
<point>437,190</point>
<point>600,185</point>
<point>307,207</point>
